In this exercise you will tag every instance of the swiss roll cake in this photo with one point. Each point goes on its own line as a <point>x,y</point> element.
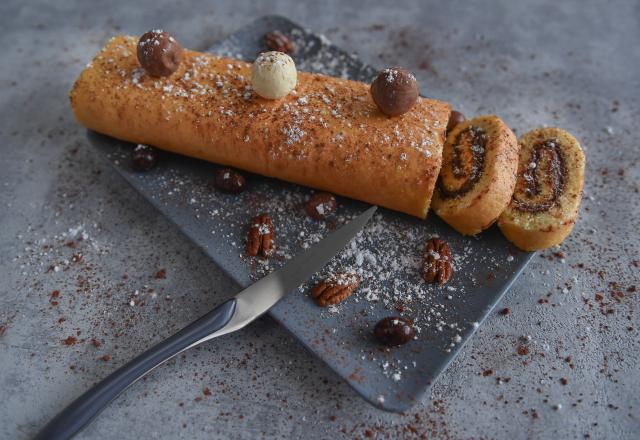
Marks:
<point>326,133</point>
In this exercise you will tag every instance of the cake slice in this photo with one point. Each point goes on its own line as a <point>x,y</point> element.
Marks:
<point>548,191</point>
<point>478,175</point>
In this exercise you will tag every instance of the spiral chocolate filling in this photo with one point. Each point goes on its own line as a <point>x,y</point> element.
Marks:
<point>543,178</point>
<point>466,162</point>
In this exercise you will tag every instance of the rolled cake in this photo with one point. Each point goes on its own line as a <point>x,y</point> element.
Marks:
<point>327,134</point>
<point>480,160</point>
<point>548,192</point>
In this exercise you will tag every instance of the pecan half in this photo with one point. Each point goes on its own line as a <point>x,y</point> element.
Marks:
<point>261,236</point>
<point>278,41</point>
<point>437,262</point>
<point>335,289</point>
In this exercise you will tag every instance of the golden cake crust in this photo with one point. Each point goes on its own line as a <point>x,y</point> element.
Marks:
<point>327,135</point>
<point>472,210</point>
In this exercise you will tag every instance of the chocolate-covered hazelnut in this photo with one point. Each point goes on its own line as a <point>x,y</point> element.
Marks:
<point>144,157</point>
<point>395,91</point>
<point>159,53</point>
<point>279,42</point>
<point>455,118</point>
<point>394,330</point>
<point>321,205</point>
<point>230,181</point>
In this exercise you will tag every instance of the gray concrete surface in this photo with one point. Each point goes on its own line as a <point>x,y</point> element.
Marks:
<point>573,64</point>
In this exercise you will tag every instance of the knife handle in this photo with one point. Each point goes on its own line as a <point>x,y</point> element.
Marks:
<point>82,410</point>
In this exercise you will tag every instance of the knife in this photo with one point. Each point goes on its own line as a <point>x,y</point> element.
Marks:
<point>228,317</point>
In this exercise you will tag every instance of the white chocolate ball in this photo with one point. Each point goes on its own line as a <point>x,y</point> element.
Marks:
<point>273,75</point>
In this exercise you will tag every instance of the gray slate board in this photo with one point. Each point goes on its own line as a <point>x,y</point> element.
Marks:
<point>393,380</point>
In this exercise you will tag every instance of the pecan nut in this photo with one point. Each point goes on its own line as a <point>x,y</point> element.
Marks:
<point>437,262</point>
<point>261,239</point>
<point>335,289</point>
<point>278,41</point>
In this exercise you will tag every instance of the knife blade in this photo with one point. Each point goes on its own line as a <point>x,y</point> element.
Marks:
<point>228,317</point>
